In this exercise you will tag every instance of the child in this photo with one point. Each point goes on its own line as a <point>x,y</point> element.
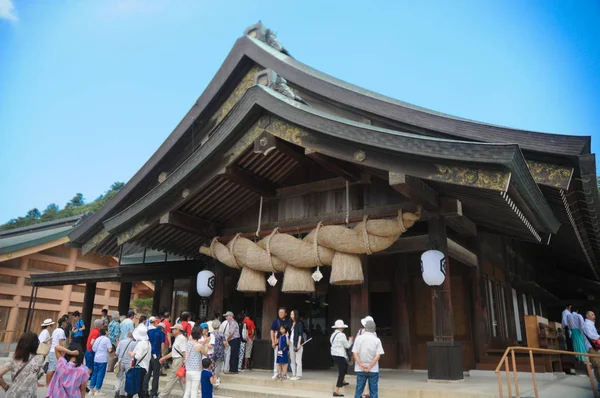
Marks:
<point>207,379</point>
<point>282,352</point>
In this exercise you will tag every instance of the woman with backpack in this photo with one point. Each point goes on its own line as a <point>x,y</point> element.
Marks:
<point>24,367</point>
<point>297,337</point>
<point>124,361</point>
<point>339,352</point>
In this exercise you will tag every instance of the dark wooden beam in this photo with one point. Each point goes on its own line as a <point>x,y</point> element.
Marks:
<point>462,254</point>
<point>166,295</point>
<point>346,171</point>
<point>408,244</point>
<point>250,182</point>
<point>462,226</point>
<point>188,223</point>
<point>359,299</point>
<point>414,190</point>
<point>132,232</point>
<point>443,320</point>
<point>402,328</point>
<point>94,242</point>
<point>88,308</point>
<point>156,297</point>
<point>293,151</point>
<point>330,184</point>
<point>124,297</point>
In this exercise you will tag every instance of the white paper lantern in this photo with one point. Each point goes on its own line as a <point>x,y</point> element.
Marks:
<point>205,283</point>
<point>433,267</point>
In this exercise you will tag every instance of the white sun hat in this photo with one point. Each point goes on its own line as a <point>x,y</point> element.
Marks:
<point>365,319</point>
<point>48,322</point>
<point>339,324</point>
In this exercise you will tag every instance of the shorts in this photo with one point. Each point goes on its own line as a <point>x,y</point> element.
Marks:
<point>248,352</point>
<point>595,361</point>
<point>52,362</point>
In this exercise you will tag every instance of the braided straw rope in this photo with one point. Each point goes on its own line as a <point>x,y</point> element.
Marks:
<point>212,246</point>
<point>231,251</point>
<point>269,248</point>
<point>366,236</point>
<point>403,229</point>
<point>316,245</point>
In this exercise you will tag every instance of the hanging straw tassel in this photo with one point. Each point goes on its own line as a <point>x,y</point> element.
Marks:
<point>346,270</point>
<point>317,275</point>
<point>297,280</point>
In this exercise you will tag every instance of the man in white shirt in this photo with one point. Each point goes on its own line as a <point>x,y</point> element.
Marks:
<point>565,324</point>
<point>590,333</point>
<point>58,338</point>
<point>367,351</point>
<point>177,354</point>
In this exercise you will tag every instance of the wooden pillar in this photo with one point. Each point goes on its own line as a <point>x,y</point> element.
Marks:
<point>156,297</point>
<point>444,355</point>
<point>125,297</point>
<point>166,296</point>
<point>88,307</point>
<point>270,304</point>
<point>401,320</point>
<point>13,316</point>
<point>359,299</point>
<point>68,289</point>
<point>216,300</point>
<point>193,298</point>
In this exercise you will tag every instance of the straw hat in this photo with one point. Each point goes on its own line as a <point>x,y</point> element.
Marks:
<point>339,324</point>
<point>48,322</point>
<point>365,319</point>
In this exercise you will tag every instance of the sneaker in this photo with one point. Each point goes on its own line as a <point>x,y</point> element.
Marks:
<point>100,393</point>
<point>275,376</point>
<point>294,378</point>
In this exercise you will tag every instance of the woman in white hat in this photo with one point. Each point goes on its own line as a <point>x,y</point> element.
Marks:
<point>141,354</point>
<point>45,334</point>
<point>339,347</point>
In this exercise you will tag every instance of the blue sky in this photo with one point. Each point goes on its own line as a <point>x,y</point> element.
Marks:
<point>90,89</point>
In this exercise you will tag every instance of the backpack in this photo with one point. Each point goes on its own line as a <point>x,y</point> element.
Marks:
<point>219,347</point>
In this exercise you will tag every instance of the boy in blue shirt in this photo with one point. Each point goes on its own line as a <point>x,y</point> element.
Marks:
<point>207,379</point>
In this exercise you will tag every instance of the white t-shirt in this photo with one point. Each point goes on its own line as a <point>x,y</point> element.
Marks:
<point>44,335</point>
<point>142,354</point>
<point>211,341</point>
<point>57,335</point>
<point>179,345</point>
<point>367,346</point>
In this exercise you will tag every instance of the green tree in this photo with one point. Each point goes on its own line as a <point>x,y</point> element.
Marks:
<point>33,214</point>
<point>77,201</point>
<point>142,306</point>
<point>117,186</point>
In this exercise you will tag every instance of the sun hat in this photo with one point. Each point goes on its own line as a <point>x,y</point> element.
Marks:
<point>161,325</point>
<point>178,327</point>
<point>140,333</point>
<point>48,322</point>
<point>339,324</point>
<point>152,319</point>
<point>365,319</point>
<point>228,313</point>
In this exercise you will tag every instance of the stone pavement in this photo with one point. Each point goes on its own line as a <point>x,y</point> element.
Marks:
<point>393,384</point>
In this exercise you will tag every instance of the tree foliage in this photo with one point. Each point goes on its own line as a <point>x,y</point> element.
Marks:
<point>52,212</point>
<point>142,305</point>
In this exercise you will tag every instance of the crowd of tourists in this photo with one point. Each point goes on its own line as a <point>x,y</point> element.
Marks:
<point>582,336</point>
<point>192,354</point>
<point>137,349</point>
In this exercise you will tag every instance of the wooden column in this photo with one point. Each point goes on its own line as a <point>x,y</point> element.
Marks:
<point>13,316</point>
<point>441,297</point>
<point>88,307</point>
<point>216,300</point>
<point>193,298</point>
<point>166,296</point>
<point>124,297</point>
<point>270,304</point>
<point>401,320</point>
<point>359,300</point>
<point>444,355</point>
<point>156,297</point>
<point>480,333</point>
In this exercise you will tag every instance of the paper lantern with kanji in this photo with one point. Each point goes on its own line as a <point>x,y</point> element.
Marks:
<point>433,267</point>
<point>205,283</point>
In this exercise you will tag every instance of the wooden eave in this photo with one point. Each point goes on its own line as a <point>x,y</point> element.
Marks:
<point>343,137</point>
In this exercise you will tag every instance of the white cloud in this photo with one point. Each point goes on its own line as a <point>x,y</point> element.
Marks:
<point>7,10</point>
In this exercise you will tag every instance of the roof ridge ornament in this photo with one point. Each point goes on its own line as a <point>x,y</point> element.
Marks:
<point>266,35</point>
<point>270,78</point>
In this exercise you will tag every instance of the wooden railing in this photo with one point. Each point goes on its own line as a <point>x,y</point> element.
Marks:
<point>511,350</point>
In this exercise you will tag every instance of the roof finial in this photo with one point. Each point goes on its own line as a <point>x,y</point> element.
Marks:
<point>271,79</point>
<point>262,33</point>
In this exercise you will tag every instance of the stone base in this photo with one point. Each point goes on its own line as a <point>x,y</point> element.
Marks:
<point>444,361</point>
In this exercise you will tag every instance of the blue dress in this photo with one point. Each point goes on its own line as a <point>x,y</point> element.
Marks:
<point>282,347</point>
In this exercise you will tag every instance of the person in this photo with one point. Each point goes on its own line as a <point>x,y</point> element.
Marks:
<point>185,322</point>
<point>233,340</point>
<point>101,347</point>
<point>123,348</point>
<point>24,368</point>
<point>127,324</point>
<point>114,329</point>
<point>193,364</point>
<point>142,321</point>
<point>591,334</point>
<point>141,355</point>
<point>281,319</point>
<point>167,321</point>
<point>78,329</point>
<point>217,317</point>
<point>207,379</point>
<point>71,375</point>
<point>251,329</point>
<point>339,354</point>
<point>207,340</point>
<point>45,335</point>
<point>360,332</point>
<point>283,349</point>
<point>367,351</point>
<point>575,323</point>
<point>152,323</point>
<point>178,356</point>
<point>58,338</point>
<point>219,344</point>
<point>565,324</point>
<point>242,352</point>
<point>67,328</point>
<point>104,317</point>
<point>156,337</point>
<point>296,348</point>
<point>89,350</point>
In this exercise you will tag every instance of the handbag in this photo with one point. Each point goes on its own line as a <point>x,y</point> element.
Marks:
<point>117,365</point>
<point>43,349</point>
<point>133,382</point>
<point>181,371</point>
